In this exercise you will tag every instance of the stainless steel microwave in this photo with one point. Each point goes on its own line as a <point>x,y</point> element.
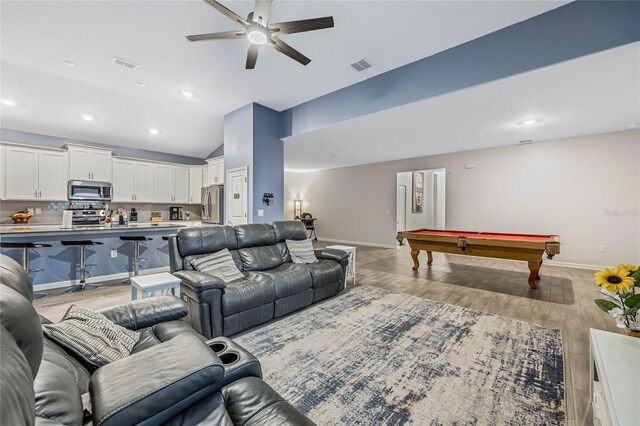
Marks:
<point>87,190</point>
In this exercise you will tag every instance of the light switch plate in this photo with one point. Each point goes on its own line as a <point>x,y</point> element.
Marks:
<point>260,212</point>
<point>114,253</point>
<point>38,210</point>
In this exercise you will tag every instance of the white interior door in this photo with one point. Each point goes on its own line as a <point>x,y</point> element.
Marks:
<point>237,196</point>
<point>401,208</point>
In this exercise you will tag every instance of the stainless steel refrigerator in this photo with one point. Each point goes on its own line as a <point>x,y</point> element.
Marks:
<point>212,204</point>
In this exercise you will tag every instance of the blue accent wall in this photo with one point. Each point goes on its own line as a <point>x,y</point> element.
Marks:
<point>568,32</point>
<point>252,139</point>
<point>15,136</point>
<point>268,163</point>
<point>218,152</point>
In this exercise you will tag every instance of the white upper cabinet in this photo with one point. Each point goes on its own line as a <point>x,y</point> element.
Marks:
<point>164,183</point>
<point>181,185</point>
<point>123,187</point>
<point>52,175</point>
<point>89,163</point>
<point>34,174</point>
<point>196,182</point>
<point>143,182</point>
<point>172,184</point>
<point>215,171</point>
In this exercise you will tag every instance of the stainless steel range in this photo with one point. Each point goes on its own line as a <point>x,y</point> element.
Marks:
<point>88,215</point>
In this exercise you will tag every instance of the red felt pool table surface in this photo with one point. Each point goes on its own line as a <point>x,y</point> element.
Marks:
<point>488,235</point>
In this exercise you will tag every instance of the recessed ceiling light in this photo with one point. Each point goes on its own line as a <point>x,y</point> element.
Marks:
<point>8,102</point>
<point>141,84</point>
<point>529,121</point>
<point>153,131</point>
<point>187,94</point>
<point>69,64</point>
<point>88,117</point>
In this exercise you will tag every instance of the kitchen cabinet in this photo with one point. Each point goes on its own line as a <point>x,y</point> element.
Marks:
<point>215,171</point>
<point>196,182</point>
<point>89,163</point>
<point>34,174</point>
<point>133,181</point>
<point>172,184</point>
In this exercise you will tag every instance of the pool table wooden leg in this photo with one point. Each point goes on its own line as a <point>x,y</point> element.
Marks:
<point>414,256</point>
<point>429,258</point>
<point>534,267</point>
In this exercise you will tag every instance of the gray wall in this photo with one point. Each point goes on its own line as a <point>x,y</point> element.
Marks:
<point>584,189</point>
<point>15,136</point>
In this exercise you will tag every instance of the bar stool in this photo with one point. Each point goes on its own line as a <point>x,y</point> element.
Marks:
<point>26,247</point>
<point>83,263</point>
<point>136,258</point>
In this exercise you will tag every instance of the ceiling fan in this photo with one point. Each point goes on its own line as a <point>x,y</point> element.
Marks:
<point>259,31</point>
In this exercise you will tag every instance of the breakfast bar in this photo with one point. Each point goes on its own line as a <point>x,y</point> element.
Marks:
<point>113,259</point>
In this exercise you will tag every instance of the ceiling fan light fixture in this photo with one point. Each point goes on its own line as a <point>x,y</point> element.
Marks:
<point>257,36</point>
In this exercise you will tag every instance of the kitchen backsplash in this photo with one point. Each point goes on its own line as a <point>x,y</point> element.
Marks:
<point>51,212</point>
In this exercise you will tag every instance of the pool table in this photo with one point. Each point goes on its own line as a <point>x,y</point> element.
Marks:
<point>526,247</point>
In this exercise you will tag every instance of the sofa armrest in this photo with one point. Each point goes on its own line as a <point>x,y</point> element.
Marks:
<point>146,312</point>
<point>332,254</point>
<point>154,385</point>
<point>199,281</point>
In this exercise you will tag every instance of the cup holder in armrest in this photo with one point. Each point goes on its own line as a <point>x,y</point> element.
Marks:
<point>229,358</point>
<point>218,347</point>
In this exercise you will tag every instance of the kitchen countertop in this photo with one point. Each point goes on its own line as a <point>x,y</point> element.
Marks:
<point>20,230</point>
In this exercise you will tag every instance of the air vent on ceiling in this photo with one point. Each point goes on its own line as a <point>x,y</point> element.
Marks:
<point>124,63</point>
<point>361,65</point>
<point>526,141</point>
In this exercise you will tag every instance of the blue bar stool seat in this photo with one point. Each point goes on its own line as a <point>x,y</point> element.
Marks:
<point>26,248</point>
<point>82,286</point>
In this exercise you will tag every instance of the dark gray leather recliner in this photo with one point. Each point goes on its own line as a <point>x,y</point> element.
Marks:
<point>172,377</point>
<point>273,286</point>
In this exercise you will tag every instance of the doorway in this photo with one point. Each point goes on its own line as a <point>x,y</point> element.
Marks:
<point>420,200</point>
<point>237,196</point>
<point>401,208</point>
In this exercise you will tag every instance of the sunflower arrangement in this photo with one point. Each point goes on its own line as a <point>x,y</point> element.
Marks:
<point>619,286</point>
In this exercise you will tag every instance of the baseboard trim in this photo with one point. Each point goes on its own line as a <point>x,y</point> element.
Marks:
<point>572,265</point>
<point>359,243</point>
<point>94,280</point>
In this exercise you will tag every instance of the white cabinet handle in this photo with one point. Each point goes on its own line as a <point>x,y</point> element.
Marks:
<point>35,195</point>
<point>40,194</point>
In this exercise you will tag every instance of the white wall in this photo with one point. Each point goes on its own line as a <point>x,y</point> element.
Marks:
<point>585,189</point>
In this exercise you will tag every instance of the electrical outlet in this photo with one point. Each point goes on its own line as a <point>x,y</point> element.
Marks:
<point>30,210</point>
<point>603,248</point>
<point>114,253</point>
<point>355,231</point>
<point>38,210</point>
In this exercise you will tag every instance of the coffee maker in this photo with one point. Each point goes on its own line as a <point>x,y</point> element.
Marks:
<point>175,213</point>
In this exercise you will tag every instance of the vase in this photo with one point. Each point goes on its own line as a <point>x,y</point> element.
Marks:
<point>633,333</point>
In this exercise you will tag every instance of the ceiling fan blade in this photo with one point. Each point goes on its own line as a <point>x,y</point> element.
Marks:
<point>262,9</point>
<point>283,47</point>
<point>227,12</point>
<point>302,26</point>
<point>252,56</point>
<point>217,36</point>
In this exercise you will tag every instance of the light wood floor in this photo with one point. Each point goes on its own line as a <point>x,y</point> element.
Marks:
<point>564,300</point>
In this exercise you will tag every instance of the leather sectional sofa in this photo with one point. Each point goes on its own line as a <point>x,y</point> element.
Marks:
<point>172,377</point>
<point>273,286</point>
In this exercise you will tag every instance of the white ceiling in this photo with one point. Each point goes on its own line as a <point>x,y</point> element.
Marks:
<point>36,37</point>
<point>589,95</point>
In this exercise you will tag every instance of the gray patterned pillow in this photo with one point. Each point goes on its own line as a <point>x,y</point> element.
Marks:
<point>219,264</point>
<point>94,338</point>
<point>301,251</point>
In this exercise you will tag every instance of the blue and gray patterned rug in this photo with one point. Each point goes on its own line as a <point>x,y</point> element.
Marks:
<point>377,357</point>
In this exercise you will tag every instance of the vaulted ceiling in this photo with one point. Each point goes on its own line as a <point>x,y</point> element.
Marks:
<point>51,97</point>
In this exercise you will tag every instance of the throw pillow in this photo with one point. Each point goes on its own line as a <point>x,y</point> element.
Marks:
<point>301,251</point>
<point>219,264</point>
<point>92,337</point>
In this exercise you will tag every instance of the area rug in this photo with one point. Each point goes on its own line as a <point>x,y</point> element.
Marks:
<point>378,357</point>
